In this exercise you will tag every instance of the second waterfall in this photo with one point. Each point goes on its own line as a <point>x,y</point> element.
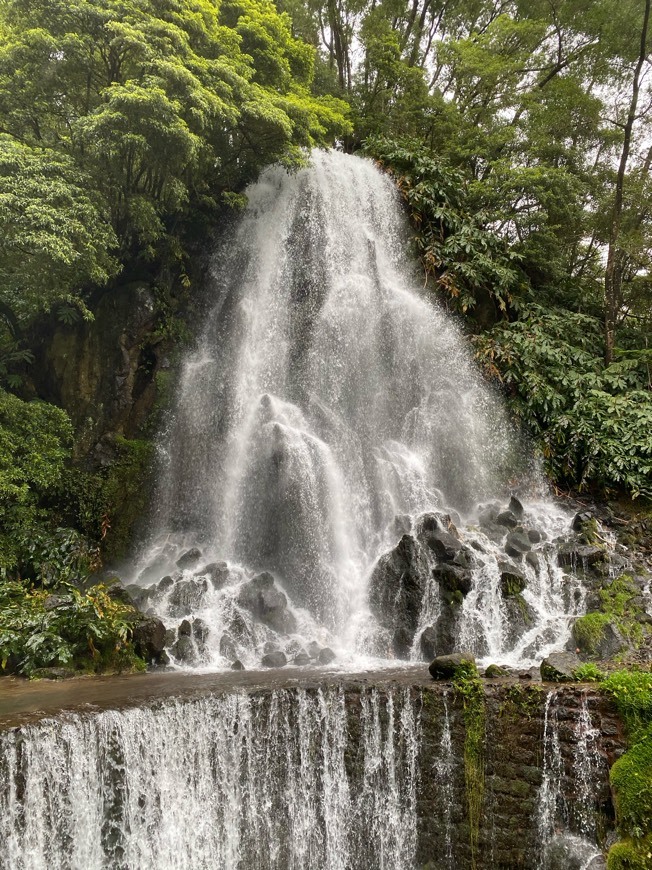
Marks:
<point>335,469</point>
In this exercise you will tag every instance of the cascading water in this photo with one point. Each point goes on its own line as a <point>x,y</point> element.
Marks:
<point>329,410</point>
<point>567,828</point>
<point>234,781</point>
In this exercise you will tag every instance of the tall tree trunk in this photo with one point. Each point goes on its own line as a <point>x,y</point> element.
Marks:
<point>614,270</point>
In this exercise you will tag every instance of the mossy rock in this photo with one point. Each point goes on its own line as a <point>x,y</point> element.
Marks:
<point>451,666</point>
<point>494,671</point>
<point>631,854</point>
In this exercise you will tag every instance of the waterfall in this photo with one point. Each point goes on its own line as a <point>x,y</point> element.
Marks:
<point>567,829</point>
<point>233,781</point>
<point>330,411</point>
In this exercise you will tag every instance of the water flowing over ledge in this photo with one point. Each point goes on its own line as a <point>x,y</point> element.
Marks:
<point>342,775</point>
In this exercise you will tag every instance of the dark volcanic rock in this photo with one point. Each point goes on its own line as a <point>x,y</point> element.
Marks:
<point>444,545</point>
<point>326,656</point>
<point>275,659</point>
<point>186,596</point>
<point>512,579</point>
<point>559,667</point>
<point>428,644</point>
<point>446,667</point>
<point>189,559</point>
<point>149,638</point>
<point>578,556</point>
<point>267,604</point>
<point>184,650</point>
<point>217,573</point>
<point>396,591</point>
<point>507,519</point>
<point>165,583</point>
<point>453,578</point>
<point>517,543</point>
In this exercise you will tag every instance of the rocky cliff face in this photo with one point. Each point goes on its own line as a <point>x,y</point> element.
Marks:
<point>103,372</point>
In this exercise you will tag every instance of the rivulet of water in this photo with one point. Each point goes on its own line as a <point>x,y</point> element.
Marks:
<point>236,782</point>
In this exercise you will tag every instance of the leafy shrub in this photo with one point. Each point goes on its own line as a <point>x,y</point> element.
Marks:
<point>588,673</point>
<point>40,629</point>
<point>631,691</point>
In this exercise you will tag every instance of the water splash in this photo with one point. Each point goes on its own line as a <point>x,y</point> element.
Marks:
<point>262,781</point>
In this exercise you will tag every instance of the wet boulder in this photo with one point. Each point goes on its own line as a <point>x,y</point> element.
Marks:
<point>184,650</point>
<point>533,560</point>
<point>216,572</point>
<point>326,656</point>
<point>396,591</point>
<point>149,638</point>
<point>186,596</point>
<point>444,545</point>
<point>520,618</point>
<point>275,659</point>
<point>164,584</point>
<point>117,592</point>
<point>227,647</point>
<point>494,672</point>
<point>200,632</point>
<point>517,544</point>
<point>448,666</point>
<point>237,665</point>
<point>512,579</point>
<point>189,559</point>
<point>453,578</point>
<point>596,636</point>
<point>516,508</point>
<point>267,604</point>
<point>428,644</point>
<point>185,628</point>
<point>581,518</point>
<point>534,536</point>
<point>580,555</point>
<point>507,519</point>
<point>137,594</point>
<point>301,660</point>
<point>560,667</point>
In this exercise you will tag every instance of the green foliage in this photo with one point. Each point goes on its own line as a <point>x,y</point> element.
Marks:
<point>41,628</point>
<point>630,854</point>
<point>588,673</point>
<point>592,421</point>
<point>468,262</point>
<point>631,775</point>
<point>617,606</point>
<point>631,691</point>
<point>35,441</point>
<point>469,686</point>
